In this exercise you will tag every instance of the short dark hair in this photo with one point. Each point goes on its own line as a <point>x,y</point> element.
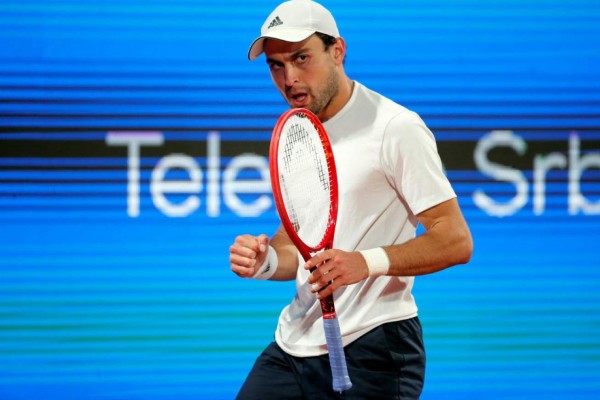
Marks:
<point>327,40</point>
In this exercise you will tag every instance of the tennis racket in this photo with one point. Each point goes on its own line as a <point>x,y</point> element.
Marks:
<point>305,189</point>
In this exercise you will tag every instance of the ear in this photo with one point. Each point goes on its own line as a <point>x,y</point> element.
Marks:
<point>339,51</point>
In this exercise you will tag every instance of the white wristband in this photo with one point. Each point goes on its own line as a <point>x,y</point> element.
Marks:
<point>377,260</point>
<point>268,267</point>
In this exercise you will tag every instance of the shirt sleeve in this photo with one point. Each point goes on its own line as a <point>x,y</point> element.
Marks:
<point>412,164</point>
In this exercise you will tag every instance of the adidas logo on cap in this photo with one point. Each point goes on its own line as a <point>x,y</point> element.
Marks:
<point>300,18</point>
<point>276,22</point>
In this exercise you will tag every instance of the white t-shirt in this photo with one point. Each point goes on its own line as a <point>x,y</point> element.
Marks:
<point>388,172</point>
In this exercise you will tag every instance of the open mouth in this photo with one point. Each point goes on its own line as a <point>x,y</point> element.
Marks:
<point>298,99</point>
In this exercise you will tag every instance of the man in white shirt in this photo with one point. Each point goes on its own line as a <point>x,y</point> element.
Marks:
<point>390,179</point>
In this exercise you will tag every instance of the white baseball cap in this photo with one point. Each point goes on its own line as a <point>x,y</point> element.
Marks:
<point>294,21</point>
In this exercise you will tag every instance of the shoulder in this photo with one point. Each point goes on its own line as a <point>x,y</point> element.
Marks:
<point>406,136</point>
<point>384,113</point>
<point>384,106</point>
<point>395,114</point>
<point>405,128</point>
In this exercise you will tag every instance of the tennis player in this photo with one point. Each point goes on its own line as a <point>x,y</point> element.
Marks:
<point>390,180</point>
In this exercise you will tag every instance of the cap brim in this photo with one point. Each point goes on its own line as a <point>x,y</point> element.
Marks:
<point>286,35</point>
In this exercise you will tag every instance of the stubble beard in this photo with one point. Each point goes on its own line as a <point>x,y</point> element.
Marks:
<point>325,96</point>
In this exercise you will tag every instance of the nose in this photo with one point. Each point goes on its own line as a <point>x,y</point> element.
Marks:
<point>291,75</point>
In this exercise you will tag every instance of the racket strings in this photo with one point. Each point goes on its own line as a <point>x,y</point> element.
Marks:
<point>304,180</point>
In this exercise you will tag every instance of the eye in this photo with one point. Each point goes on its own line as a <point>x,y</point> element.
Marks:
<point>274,66</point>
<point>302,58</point>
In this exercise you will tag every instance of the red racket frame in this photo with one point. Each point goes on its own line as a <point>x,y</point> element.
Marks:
<point>327,305</point>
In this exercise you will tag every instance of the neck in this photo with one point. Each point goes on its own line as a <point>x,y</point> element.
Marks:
<point>339,101</point>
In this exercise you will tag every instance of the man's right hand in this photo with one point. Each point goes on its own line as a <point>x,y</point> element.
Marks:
<point>247,253</point>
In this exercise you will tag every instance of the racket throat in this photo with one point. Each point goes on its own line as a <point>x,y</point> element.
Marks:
<point>328,308</point>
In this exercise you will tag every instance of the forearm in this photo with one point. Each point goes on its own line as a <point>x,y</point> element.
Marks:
<point>287,256</point>
<point>430,252</point>
<point>446,242</point>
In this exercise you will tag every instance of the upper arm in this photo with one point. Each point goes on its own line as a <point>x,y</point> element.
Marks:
<point>446,222</point>
<point>448,211</point>
<point>412,164</point>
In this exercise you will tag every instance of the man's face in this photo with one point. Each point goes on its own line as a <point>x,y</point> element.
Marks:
<point>304,72</point>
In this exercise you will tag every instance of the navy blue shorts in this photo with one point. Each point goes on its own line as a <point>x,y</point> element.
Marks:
<point>385,363</point>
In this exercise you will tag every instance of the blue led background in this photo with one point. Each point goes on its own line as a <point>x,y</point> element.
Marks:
<point>115,285</point>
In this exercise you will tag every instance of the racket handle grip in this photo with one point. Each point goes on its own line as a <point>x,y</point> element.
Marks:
<point>337,358</point>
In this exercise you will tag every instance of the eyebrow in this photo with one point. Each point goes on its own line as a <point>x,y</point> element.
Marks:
<point>294,55</point>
